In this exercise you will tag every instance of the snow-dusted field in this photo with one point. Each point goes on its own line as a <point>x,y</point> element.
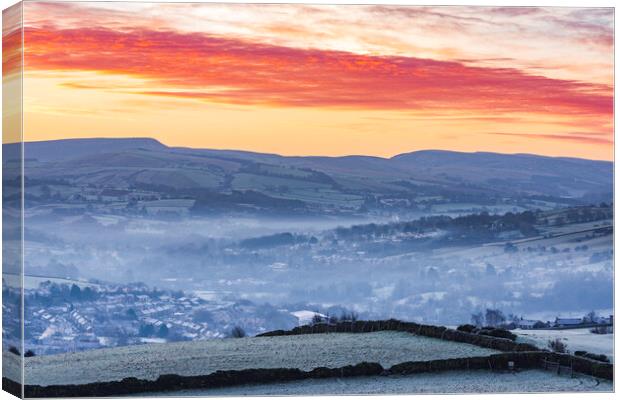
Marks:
<point>444,382</point>
<point>575,339</point>
<point>200,358</point>
<point>11,367</point>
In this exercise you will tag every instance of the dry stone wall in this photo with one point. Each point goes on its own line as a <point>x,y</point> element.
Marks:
<point>515,355</point>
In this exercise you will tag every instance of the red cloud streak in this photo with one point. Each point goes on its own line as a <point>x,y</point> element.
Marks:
<point>11,51</point>
<point>243,72</point>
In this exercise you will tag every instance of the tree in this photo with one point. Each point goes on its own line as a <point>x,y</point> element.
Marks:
<point>29,353</point>
<point>558,346</point>
<point>514,318</point>
<point>477,319</point>
<point>163,331</point>
<point>76,292</point>
<point>147,330</point>
<point>317,319</point>
<point>494,317</point>
<point>237,332</point>
<point>131,314</point>
<point>88,294</point>
<point>590,317</point>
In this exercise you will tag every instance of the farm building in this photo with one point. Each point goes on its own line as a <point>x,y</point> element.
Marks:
<point>527,323</point>
<point>567,322</point>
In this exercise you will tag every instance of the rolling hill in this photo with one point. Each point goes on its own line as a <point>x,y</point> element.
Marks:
<point>327,184</point>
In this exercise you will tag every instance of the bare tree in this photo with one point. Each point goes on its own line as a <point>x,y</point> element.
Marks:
<point>590,317</point>
<point>494,317</point>
<point>237,332</point>
<point>514,318</point>
<point>477,319</point>
<point>558,345</point>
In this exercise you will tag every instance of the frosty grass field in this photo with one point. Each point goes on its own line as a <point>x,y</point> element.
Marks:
<point>440,382</point>
<point>305,352</point>
<point>575,339</point>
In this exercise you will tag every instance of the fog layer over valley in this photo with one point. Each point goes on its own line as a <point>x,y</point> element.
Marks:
<point>438,269</point>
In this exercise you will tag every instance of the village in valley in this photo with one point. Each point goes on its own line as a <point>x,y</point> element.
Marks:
<point>69,317</point>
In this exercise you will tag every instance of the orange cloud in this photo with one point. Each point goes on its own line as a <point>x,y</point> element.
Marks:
<point>236,71</point>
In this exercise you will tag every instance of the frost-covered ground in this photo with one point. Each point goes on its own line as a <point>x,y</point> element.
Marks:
<point>444,382</point>
<point>199,358</point>
<point>11,367</point>
<point>575,339</point>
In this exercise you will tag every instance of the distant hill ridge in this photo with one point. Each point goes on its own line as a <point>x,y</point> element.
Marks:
<point>64,149</point>
<point>74,148</point>
<point>341,182</point>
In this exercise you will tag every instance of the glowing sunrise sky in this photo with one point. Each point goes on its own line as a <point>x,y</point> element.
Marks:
<point>322,80</point>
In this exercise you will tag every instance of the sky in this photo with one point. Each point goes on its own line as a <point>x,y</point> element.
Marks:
<point>322,80</point>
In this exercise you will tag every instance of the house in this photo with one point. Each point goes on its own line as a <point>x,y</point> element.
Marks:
<point>142,298</point>
<point>568,322</point>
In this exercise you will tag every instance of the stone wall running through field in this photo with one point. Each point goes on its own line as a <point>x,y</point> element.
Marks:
<point>440,332</point>
<point>515,356</point>
<point>494,362</point>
